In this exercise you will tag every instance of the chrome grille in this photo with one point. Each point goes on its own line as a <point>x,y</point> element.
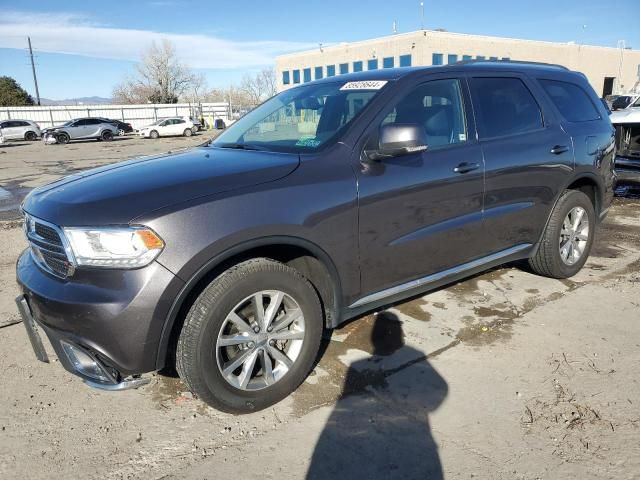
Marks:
<point>48,247</point>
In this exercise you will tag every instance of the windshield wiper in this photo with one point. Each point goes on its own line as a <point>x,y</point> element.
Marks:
<point>241,146</point>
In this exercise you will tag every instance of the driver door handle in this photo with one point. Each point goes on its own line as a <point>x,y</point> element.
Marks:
<point>558,149</point>
<point>466,167</point>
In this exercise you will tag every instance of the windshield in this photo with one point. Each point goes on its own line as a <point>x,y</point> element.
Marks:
<point>301,119</point>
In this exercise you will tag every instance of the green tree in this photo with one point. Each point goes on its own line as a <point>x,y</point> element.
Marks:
<point>12,94</point>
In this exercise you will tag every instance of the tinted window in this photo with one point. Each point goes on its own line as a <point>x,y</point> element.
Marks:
<point>437,106</point>
<point>504,106</point>
<point>80,123</point>
<point>571,100</point>
<point>4,125</point>
<point>22,124</point>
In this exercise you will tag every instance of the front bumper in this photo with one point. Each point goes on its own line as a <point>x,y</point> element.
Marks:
<point>115,317</point>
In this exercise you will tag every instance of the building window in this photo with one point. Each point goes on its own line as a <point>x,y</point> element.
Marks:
<point>357,66</point>
<point>285,78</point>
<point>480,57</point>
<point>306,73</point>
<point>436,59</point>
<point>372,64</point>
<point>387,62</point>
<point>405,60</point>
<point>296,76</point>
<point>344,68</point>
<point>331,70</point>
<point>466,58</point>
<point>318,73</point>
<point>506,58</point>
<point>452,58</point>
<point>493,58</point>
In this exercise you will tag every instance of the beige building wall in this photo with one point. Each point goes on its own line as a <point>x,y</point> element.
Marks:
<point>596,63</point>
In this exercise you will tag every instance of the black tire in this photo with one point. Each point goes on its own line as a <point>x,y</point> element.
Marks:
<point>63,138</point>
<point>30,136</point>
<point>196,360</point>
<point>106,135</point>
<point>187,132</point>
<point>154,134</point>
<point>547,260</point>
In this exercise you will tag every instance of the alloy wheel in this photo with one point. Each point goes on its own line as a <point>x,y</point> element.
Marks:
<point>260,340</point>
<point>574,235</point>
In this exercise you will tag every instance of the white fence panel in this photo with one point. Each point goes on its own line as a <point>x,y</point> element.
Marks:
<point>137,115</point>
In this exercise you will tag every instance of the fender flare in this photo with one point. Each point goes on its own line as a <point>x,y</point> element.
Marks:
<point>599,195</point>
<point>238,249</point>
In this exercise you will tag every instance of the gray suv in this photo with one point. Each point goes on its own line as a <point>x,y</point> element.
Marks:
<point>82,129</point>
<point>331,200</point>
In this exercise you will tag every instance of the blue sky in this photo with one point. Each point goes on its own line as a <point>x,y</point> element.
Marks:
<point>84,48</point>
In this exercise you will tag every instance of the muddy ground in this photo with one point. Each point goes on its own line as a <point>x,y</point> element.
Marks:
<point>503,376</point>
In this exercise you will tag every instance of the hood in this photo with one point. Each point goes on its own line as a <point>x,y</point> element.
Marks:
<point>628,115</point>
<point>118,193</point>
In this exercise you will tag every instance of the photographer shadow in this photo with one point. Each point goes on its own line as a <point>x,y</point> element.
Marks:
<point>379,428</point>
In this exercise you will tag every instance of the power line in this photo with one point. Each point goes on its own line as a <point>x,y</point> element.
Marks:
<point>33,69</point>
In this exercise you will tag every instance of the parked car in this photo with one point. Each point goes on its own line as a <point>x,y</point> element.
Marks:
<point>169,127</point>
<point>332,199</point>
<point>627,162</point>
<point>625,101</point>
<point>81,129</point>
<point>20,130</point>
<point>122,127</point>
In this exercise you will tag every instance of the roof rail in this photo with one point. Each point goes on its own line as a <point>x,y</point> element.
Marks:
<point>518,62</point>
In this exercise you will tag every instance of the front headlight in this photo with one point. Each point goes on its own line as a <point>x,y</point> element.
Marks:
<point>114,247</point>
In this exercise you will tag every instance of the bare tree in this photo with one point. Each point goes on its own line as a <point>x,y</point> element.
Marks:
<point>160,77</point>
<point>197,91</point>
<point>260,86</point>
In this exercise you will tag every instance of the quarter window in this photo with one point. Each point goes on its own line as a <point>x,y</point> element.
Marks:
<point>438,107</point>
<point>571,100</point>
<point>505,106</point>
<point>405,60</point>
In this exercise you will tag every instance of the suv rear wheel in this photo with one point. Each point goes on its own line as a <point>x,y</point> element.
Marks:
<point>568,237</point>
<point>251,337</point>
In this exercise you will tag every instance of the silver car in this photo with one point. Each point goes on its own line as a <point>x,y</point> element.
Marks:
<point>20,130</point>
<point>82,129</point>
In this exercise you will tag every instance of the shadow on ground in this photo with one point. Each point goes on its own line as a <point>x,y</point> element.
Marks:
<point>379,428</point>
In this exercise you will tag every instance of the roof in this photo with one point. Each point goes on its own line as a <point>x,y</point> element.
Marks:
<point>466,66</point>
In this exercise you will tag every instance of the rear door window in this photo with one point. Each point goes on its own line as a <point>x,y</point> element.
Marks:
<point>571,100</point>
<point>504,106</point>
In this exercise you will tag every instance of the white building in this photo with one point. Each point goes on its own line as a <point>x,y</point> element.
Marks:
<point>610,70</point>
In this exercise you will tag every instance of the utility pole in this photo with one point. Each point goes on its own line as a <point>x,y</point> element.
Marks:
<point>33,69</point>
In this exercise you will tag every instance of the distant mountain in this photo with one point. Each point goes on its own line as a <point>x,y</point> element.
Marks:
<point>76,101</point>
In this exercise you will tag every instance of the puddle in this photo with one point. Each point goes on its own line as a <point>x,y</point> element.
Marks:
<point>414,309</point>
<point>11,196</point>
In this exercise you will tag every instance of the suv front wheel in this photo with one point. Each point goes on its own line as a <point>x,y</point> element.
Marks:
<point>568,237</point>
<point>251,337</point>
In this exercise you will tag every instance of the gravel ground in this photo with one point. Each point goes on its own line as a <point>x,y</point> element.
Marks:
<point>505,375</point>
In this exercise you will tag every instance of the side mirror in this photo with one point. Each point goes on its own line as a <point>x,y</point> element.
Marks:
<point>396,140</point>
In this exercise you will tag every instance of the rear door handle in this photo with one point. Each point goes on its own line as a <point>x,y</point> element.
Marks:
<point>465,167</point>
<point>558,149</point>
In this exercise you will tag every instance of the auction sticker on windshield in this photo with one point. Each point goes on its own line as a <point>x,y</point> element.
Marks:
<point>364,85</point>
